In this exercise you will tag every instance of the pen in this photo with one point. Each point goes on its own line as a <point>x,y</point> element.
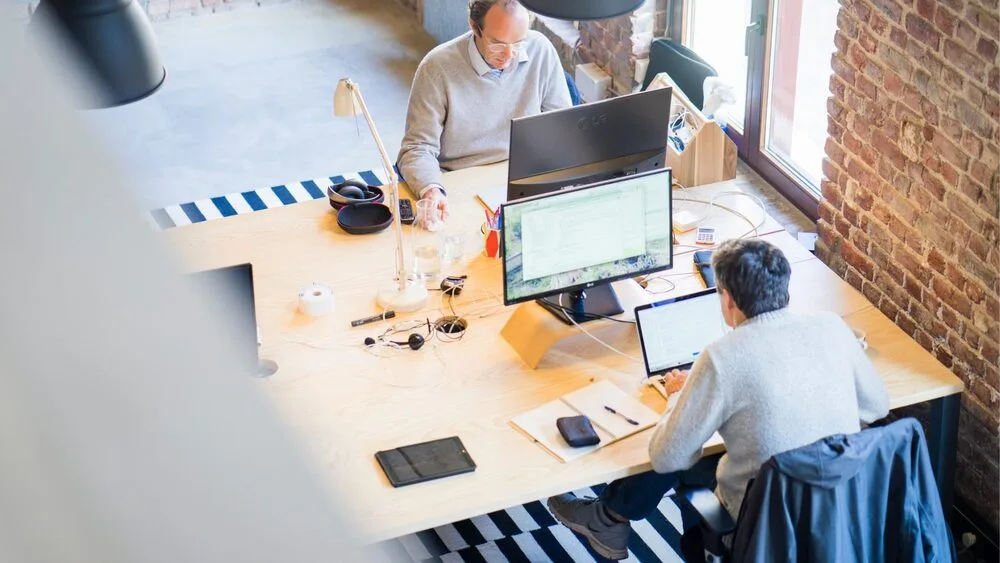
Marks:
<point>627,419</point>
<point>374,318</point>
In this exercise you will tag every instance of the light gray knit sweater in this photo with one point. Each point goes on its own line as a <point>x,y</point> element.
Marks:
<point>459,111</point>
<point>778,381</point>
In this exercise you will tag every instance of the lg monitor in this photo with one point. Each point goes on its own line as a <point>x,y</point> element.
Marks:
<point>565,248</point>
<point>588,143</point>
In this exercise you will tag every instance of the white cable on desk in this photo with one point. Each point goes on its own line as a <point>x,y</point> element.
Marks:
<point>596,339</point>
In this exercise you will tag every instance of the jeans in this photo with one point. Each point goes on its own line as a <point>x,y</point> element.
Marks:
<point>636,497</point>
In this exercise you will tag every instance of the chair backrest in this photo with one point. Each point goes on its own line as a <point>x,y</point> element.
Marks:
<point>684,66</point>
<point>574,92</point>
<point>869,496</point>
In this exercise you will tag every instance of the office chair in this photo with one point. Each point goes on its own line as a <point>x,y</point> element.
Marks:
<point>684,66</point>
<point>869,496</point>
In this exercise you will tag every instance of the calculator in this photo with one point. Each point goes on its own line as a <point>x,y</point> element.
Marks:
<point>705,236</point>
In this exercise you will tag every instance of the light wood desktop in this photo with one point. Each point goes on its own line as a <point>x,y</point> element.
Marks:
<point>345,403</point>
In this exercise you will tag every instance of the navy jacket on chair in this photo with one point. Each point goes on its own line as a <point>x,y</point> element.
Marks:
<point>870,496</point>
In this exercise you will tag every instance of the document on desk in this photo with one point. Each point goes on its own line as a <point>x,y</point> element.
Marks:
<point>539,424</point>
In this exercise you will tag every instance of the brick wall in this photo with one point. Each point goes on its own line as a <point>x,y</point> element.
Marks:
<point>615,44</point>
<point>415,6</point>
<point>910,210</point>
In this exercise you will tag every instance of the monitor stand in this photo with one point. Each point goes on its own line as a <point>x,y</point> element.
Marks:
<point>584,305</point>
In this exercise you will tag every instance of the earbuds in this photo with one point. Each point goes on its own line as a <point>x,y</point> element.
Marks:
<point>415,341</point>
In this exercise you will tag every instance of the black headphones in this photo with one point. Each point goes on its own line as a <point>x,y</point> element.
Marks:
<point>354,189</point>
<point>415,341</point>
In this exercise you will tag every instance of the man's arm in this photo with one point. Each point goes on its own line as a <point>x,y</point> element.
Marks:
<point>556,94</point>
<point>873,399</point>
<point>678,439</point>
<point>425,116</point>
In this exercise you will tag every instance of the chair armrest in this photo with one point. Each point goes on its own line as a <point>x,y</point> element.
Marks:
<point>714,517</point>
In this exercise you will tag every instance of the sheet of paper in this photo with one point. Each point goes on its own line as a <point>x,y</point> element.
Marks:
<point>540,424</point>
<point>492,197</point>
<point>592,399</point>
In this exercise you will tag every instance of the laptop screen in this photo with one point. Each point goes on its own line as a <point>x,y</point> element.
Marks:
<point>673,332</point>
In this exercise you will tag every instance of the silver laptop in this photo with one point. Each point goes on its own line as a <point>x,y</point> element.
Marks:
<point>674,331</point>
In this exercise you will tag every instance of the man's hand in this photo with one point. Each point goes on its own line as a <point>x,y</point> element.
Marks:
<point>674,380</point>
<point>439,210</point>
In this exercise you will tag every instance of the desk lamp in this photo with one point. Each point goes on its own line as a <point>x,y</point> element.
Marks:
<point>575,10</point>
<point>406,294</point>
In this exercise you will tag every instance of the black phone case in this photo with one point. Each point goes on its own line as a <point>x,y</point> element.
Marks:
<point>396,481</point>
<point>577,431</point>
<point>703,261</point>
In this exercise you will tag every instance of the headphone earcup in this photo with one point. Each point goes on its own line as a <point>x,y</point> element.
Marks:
<point>415,341</point>
<point>369,341</point>
<point>352,192</point>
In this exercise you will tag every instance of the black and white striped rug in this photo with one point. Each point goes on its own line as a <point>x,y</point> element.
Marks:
<point>525,533</point>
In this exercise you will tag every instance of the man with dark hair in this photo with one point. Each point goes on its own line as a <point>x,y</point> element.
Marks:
<point>779,380</point>
<point>466,91</point>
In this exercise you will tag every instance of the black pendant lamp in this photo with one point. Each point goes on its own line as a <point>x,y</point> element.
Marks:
<point>576,10</point>
<point>115,42</point>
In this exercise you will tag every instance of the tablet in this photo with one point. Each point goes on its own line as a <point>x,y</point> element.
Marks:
<point>416,463</point>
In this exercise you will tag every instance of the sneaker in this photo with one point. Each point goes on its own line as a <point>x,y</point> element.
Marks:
<point>586,517</point>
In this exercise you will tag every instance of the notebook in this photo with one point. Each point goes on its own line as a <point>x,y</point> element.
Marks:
<point>540,422</point>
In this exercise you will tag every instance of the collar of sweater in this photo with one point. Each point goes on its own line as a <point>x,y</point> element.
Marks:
<point>769,317</point>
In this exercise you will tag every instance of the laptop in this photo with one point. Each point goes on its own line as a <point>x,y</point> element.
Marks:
<point>232,287</point>
<point>673,332</point>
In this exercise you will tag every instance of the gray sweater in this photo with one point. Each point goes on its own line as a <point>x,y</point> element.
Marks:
<point>460,110</point>
<point>778,381</point>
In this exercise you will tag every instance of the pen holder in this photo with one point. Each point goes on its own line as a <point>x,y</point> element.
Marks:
<point>491,241</point>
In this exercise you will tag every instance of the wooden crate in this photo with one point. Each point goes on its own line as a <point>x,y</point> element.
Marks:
<point>710,155</point>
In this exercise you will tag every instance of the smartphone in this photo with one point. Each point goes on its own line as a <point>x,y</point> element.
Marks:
<point>416,463</point>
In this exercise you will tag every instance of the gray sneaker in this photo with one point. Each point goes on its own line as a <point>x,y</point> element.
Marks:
<point>586,517</point>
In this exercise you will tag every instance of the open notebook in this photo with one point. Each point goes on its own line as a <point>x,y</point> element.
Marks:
<point>540,422</point>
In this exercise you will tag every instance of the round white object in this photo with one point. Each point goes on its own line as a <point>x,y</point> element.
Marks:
<point>316,300</point>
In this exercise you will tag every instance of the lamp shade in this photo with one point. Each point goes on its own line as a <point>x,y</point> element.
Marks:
<point>115,42</point>
<point>575,10</point>
<point>345,104</point>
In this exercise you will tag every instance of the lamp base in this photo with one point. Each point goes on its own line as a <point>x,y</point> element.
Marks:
<point>412,298</point>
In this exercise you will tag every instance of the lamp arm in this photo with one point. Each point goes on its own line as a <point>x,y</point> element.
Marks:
<point>390,173</point>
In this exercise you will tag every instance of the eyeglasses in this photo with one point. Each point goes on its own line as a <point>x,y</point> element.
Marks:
<point>498,47</point>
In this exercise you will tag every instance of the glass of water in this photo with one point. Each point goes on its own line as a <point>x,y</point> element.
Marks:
<point>427,241</point>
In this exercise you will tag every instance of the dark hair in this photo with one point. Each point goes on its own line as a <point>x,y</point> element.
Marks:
<point>754,272</point>
<point>478,9</point>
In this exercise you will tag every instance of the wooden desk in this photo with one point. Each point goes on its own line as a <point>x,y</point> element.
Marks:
<point>344,403</point>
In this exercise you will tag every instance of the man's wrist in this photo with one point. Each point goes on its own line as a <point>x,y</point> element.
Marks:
<point>429,187</point>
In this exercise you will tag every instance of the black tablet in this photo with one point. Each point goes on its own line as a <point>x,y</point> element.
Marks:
<point>417,463</point>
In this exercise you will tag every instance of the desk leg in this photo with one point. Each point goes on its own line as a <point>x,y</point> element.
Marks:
<point>942,443</point>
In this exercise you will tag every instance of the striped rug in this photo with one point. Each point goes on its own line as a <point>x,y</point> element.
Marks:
<point>525,533</point>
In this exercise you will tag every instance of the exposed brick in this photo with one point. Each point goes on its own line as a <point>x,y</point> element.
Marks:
<point>926,8</point>
<point>966,34</point>
<point>923,31</point>
<point>936,260</point>
<point>973,118</point>
<point>983,19</point>
<point>857,260</point>
<point>969,63</point>
<point>896,60</point>
<point>892,10</point>
<point>945,22</point>
<point>898,37</point>
<point>912,264</point>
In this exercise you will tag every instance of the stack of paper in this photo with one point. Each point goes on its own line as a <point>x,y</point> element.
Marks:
<point>540,423</point>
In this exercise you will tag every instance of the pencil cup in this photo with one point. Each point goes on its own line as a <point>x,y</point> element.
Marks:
<point>491,241</point>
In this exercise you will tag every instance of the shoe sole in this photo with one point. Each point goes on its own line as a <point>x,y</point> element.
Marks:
<point>597,546</point>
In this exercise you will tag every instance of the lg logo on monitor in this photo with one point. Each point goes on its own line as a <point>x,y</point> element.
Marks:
<point>586,123</point>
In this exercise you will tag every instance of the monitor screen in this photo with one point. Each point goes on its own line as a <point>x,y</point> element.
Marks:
<point>675,331</point>
<point>230,290</point>
<point>588,143</point>
<point>575,239</point>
